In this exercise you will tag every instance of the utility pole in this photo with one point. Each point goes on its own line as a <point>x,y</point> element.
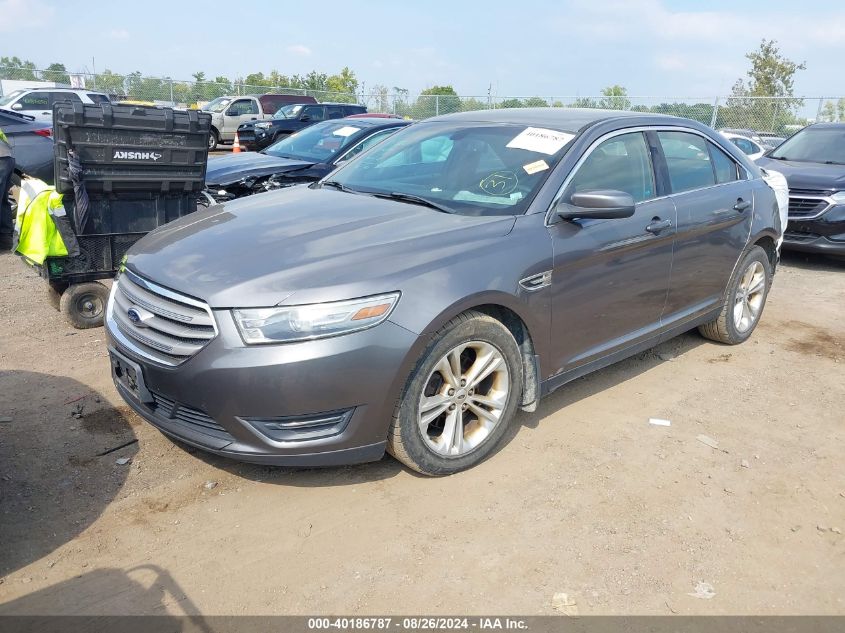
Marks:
<point>94,68</point>
<point>490,96</point>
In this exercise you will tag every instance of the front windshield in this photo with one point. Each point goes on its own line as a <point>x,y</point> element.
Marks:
<point>217,105</point>
<point>317,143</point>
<point>10,97</point>
<point>814,145</point>
<point>287,112</point>
<point>467,168</point>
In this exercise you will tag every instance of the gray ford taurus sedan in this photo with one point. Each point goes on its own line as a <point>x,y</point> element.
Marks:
<point>415,298</point>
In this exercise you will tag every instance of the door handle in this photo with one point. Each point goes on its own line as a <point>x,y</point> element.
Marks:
<point>741,205</point>
<point>658,225</point>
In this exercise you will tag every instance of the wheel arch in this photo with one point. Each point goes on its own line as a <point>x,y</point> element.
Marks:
<point>514,315</point>
<point>768,242</point>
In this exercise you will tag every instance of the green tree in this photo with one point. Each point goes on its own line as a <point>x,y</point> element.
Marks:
<point>56,72</point>
<point>110,83</point>
<point>437,100</point>
<point>535,102</point>
<point>771,75</point>
<point>16,68</point>
<point>615,98</point>
<point>344,85</point>
<point>511,103</point>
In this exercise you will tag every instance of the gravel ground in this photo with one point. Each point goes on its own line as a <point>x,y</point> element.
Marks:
<point>586,498</point>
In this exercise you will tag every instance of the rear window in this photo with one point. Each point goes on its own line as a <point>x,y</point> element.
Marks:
<point>95,98</point>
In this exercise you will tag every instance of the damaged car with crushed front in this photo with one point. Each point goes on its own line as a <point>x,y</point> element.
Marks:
<point>459,270</point>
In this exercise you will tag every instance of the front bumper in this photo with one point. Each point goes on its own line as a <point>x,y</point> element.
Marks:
<point>825,234</point>
<point>209,400</point>
<point>254,139</point>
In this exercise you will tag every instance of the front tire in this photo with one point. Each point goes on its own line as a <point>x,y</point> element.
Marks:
<point>213,140</point>
<point>744,300</point>
<point>460,397</point>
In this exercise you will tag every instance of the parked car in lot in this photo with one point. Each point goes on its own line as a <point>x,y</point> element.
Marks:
<point>464,267</point>
<point>813,162</point>
<point>32,145</point>
<point>302,157</point>
<point>227,113</point>
<point>38,102</point>
<point>770,141</point>
<point>750,148</point>
<point>255,135</point>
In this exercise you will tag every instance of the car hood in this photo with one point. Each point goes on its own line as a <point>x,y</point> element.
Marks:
<point>229,169</point>
<point>801,175</point>
<point>301,245</point>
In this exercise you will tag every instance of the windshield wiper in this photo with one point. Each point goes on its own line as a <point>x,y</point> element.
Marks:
<point>409,197</point>
<point>337,185</point>
<point>833,162</point>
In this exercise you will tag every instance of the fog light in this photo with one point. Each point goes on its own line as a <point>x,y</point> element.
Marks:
<point>302,427</point>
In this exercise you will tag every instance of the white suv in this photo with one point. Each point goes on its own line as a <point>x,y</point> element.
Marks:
<point>38,102</point>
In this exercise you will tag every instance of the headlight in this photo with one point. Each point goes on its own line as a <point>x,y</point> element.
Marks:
<point>317,320</point>
<point>262,126</point>
<point>838,197</point>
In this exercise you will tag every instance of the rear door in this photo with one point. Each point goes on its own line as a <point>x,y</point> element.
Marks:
<point>714,201</point>
<point>611,277</point>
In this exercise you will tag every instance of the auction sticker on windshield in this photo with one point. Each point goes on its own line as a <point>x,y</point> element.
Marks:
<point>538,139</point>
<point>347,130</point>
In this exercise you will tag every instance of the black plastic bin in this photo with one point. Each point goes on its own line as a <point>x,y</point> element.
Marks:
<point>142,167</point>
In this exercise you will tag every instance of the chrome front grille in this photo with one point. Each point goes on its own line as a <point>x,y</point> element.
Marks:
<point>157,323</point>
<point>807,204</point>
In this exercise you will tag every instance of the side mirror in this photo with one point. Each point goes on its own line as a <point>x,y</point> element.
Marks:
<point>305,117</point>
<point>17,106</point>
<point>600,204</point>
<point>231,112</point>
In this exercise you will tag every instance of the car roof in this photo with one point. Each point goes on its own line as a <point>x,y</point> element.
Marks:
<point>60,89</point>
<point>569,119</point>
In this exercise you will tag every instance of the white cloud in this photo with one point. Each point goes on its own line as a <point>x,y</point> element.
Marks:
<point>24,14</point>
<point>670,62</point>
<point>118,34</point>
<point>299,49</point>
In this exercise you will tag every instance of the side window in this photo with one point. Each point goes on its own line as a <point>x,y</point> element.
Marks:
<point>35,101</point>
<point>622,163</point>
<point>241,107</point>
<point>353,109</point>
<point>723,165</point>
<point>687,160</point>
<point>334,112</point>
<point>746,146</point>
<point>314,112</point>
<point>95,98</point>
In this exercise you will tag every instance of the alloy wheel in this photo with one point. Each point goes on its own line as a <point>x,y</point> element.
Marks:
<point>464,398</point>
<point>750,294</point>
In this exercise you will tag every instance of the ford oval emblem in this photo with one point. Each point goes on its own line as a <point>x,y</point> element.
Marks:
<point>133,315</point>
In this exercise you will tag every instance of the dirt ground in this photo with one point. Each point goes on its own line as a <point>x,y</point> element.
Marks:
<point>586,498</point>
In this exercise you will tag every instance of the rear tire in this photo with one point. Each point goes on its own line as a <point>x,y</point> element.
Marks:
<point>460,397</point>
<point>745,299</point>
<point>84,305</point>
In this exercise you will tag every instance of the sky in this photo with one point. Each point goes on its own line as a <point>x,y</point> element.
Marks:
<point>681,48</point>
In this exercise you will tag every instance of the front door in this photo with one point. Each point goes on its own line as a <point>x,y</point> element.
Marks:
<point>240,111</point>
<point>715,210</point>
<point>611,277</point>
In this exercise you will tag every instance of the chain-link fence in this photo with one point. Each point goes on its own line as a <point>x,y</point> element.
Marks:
<point>777,116</point>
